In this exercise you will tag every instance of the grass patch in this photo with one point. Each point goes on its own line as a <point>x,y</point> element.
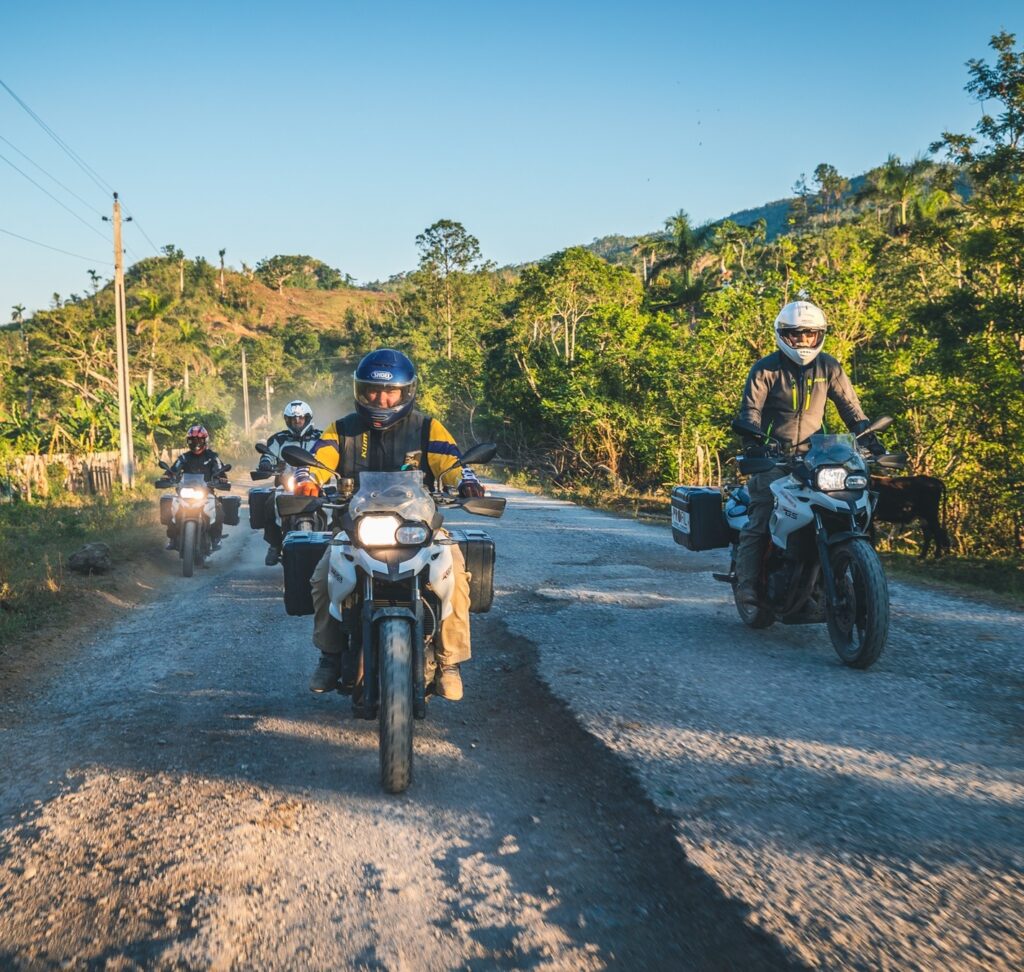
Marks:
<point>963,575</point>
<point>36,540</point>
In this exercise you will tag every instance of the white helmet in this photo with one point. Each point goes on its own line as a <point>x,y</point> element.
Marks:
<point>794,320</point>
<point>298,416</point>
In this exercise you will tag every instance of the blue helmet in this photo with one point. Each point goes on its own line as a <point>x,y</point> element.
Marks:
<point>384,387</point>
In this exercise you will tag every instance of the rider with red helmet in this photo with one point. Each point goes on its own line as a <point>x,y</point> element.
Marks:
<point>199,458</point>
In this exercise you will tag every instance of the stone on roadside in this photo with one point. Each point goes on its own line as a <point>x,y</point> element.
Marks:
<point>93,558</point>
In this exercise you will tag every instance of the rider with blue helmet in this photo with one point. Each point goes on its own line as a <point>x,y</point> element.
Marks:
<point>385,433</point>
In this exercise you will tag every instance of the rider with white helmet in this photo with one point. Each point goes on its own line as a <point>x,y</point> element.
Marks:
<point>300,431</point>
<point>785,396</point>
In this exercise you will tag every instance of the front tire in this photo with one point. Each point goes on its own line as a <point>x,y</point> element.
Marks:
<point>858,623</point>
<point>189,538</point>
<point>396,715</point>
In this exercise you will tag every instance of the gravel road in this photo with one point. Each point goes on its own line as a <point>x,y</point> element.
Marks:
<point>633,781</point>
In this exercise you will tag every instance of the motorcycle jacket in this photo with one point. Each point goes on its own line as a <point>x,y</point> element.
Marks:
<point>286,437</point>
<point>207,462</point>
<point>788,401</point>
<point>417,441</point>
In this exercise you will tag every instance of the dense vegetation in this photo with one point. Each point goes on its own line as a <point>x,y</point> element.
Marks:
<point>621,362</point>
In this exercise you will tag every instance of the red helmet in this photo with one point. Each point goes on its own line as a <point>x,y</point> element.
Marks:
<point>197,438</point>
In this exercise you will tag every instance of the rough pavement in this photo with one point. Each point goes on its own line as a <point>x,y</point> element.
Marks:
<point>868,819</point>
<point>173,797</point>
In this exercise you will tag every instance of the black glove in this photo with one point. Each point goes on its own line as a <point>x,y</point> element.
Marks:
<point>752,449</point>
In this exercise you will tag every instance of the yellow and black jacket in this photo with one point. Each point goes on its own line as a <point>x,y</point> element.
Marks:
<point>350,446</point>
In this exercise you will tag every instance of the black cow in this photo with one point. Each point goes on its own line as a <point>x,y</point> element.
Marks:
<point>903,499</point>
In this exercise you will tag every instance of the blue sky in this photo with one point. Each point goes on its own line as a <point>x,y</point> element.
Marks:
<point>342,130</point>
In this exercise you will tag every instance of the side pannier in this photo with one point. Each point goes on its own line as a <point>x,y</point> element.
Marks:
<point>698,521</point>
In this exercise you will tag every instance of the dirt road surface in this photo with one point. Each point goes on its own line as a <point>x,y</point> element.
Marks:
<point>633,781</point>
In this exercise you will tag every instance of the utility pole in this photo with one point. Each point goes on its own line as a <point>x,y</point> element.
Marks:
<point>124,401</point>
<point>245,394</point>
<point>266,390</point>
<point>186,378</point>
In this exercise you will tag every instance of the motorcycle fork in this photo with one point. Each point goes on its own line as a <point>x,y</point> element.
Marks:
<point>371,693</point>
<point>826,564</point>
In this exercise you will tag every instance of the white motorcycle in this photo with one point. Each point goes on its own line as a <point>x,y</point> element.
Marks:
<point>390,585</point>
<point>820,565</point>
<point>193,507</point>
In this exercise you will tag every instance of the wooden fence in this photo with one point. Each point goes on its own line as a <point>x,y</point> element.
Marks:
<point>40,475</point>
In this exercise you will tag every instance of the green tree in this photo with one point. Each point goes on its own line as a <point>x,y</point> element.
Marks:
<point>448,254</point>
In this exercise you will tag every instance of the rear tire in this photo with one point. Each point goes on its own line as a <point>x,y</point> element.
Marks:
<point>396,715</point>
<point>858,623</point>
<point>189,537</point>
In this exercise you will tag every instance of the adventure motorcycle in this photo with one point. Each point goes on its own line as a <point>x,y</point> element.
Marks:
<point>284,486</point>
<point>390,583</point>
<point>820,565</point>
<point>193,507</point>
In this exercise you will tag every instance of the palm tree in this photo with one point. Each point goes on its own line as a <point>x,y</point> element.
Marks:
<point>682,247</point>
<point>221,253</point>
<point>896,185</point>
<point>18,314</point>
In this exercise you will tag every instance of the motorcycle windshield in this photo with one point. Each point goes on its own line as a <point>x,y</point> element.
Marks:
<point>831,450</point>
<point>195,480</point>
<point>401,493</point>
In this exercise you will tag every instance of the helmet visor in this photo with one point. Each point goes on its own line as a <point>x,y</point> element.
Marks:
<point>803,337</point>
<point>197,443</point>
<point>296,423</point>
<point>382,396</point>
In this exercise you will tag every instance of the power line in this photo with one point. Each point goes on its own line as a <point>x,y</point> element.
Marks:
<point>47,192</point>
<point>84,202</point>
<point>56,249</point>
<point>138,226</point>
<point>74,156</point>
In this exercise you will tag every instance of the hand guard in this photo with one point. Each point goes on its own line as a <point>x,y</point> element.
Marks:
<point>471,487</point>
<point>752,449</point>
<point>872,444</point>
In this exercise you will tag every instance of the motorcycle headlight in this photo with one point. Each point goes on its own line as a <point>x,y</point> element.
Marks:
<point>191,493</point>
<point>377,531</point>
<point>831,478</point>
<point>856,481</point>
<point>412,534</point>
<point>289,484</point>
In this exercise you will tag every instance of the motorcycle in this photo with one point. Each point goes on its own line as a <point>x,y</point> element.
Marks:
<point>284,483</point>
<point>390,581</point>
<point>820,565</point>
<point>193,506</point>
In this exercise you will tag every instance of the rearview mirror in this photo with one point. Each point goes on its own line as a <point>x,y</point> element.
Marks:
<point>163,465</point>
<point>295,456</point>
<point>879,425</point>
<point>482,452</point>
<point>263,449</point>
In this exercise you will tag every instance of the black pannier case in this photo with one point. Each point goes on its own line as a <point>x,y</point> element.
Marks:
<point>302,551</point>
<point>258,506</point>
<point>698,521</point>
<point>478,549</point>
<point>230,505</point>
<point>166,504</point>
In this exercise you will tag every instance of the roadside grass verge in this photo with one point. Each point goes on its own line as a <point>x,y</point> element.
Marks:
<point>36,540</point>
<point>962,575</point>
